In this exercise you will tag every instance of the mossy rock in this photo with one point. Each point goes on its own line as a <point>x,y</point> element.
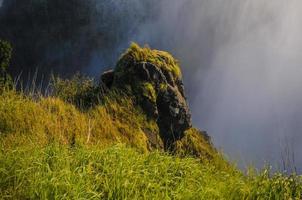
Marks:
<point>154,78</point>
<point>135,54</point>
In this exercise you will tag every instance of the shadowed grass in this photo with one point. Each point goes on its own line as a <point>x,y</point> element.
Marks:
<point>50,119</point>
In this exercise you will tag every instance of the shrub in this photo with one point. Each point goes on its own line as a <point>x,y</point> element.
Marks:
<point>5,57</point>
<point>80,90</point>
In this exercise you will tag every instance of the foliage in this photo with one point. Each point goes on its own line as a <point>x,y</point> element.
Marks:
<point>195,143</point>
<point>76,144</point>
<point>78,90</point>
<point>148,91</point>
<point>58,172</point>
<point>49,149</point>
<point>136,54</point>
<point>5,57</point>
<point>276,186</point>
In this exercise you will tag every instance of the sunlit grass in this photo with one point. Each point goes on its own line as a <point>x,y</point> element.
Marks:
<point>51,149</point>
<point>118,172</point>
<point>49,119</point>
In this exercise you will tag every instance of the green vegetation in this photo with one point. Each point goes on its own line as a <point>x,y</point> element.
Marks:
<point>126,72</point>
<point>50,119</point>
<point>90,172</point>
<point>80,143</point>
<point>149,91</point>
<point>5,57</point>
<point>79,90</point>
<point>194,143</point>
<point>136,54</point>
<point>49,149</point>
<point>5,54</point>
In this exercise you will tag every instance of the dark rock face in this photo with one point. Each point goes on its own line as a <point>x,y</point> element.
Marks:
<point>174,116</point>
<point>161,95</point>
<point>107,78</point>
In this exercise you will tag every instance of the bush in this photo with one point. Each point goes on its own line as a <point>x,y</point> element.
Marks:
<point>79,90</point>
<point>5,57</point>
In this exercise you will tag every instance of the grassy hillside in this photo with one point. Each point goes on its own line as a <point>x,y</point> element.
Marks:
<point>58,172</point>
<point>52,150</point>
<point>74,144</point>
<point>46,120</point>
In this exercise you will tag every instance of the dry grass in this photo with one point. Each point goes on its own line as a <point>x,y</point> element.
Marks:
<point>51,119</point>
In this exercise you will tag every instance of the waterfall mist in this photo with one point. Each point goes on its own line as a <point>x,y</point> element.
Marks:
<point>242,61</point>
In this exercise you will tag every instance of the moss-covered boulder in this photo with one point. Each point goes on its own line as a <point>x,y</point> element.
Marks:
<point>154,78</point>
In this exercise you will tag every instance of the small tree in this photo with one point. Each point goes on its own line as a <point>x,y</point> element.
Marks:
<point>5,57</point>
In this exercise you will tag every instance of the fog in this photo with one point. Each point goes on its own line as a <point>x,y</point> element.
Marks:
<point>242,64</point>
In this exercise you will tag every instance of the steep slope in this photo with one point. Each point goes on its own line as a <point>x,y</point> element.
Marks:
<point>127,138</point>
<point>142,105</point>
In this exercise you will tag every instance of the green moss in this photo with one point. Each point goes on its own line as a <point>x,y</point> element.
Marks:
<point>149,91</point>
<point>161,59</point>
<point>194,143</point>
<point>163,87</point>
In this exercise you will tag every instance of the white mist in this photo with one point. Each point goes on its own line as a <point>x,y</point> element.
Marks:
<point>243,70</point>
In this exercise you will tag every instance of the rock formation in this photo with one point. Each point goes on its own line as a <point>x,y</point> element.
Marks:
<point>155,79</point>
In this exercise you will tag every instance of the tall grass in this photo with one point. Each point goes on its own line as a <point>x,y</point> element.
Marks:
<point>118,172</point>
<point>51,149</point>
<point>48,119</point>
